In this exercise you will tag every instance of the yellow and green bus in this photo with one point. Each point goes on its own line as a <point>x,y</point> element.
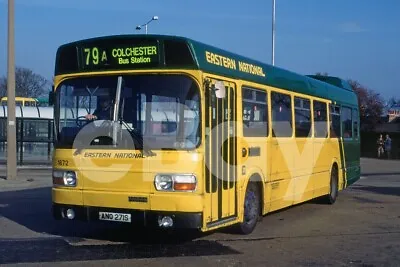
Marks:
<point>167,132</point>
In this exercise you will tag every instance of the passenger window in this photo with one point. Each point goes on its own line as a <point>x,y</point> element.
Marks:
<point>355,124</point>
<point>347,122</point>
<point>335,121</point>
<point>302,117</point>
<point>320,120</point>
<point>255,113</point>
<point>281,115</point>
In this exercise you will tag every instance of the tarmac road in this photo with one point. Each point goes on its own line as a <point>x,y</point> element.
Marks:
<point>361,229</point>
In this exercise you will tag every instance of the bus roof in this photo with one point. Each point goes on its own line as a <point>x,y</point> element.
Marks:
<point>21,98</point>
<point>126,52</point>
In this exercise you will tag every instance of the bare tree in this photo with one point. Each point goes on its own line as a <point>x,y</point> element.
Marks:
<point>27,84</point>
<point>371,105</point>
<point>392,102</point>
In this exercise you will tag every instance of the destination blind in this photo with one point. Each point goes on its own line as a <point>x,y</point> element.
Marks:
<point>119,56</point>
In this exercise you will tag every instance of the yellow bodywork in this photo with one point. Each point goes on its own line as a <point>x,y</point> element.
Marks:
<point>291,170</point>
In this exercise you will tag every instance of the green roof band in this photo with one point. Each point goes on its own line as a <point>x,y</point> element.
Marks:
<point>134,52</point>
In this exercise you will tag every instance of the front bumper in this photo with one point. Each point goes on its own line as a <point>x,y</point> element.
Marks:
<point>146,218</point>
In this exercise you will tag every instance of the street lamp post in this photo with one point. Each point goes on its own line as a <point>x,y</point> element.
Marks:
<point>139,27</point>
<point>273,32</point>
<point>11,121</point>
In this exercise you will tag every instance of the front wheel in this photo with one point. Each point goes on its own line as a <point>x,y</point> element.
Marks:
<point>251,209</point>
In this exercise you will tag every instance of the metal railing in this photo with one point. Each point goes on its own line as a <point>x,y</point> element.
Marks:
<point>34,141</point>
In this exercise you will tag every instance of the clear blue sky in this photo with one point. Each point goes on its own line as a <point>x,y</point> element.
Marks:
<point>356,39</point>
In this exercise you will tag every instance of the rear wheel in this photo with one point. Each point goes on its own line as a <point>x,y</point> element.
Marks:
<point>252,209</point>
<point>334,186</point>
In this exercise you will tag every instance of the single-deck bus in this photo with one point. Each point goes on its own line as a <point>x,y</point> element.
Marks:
<point>166,131</point>
<point>21,101</point>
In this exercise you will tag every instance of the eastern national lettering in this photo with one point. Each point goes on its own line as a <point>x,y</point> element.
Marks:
<point>230,63</point>
<point>97,155</point>
<point>120,155</point>
<point>128,155</point>
<point>221,60</point>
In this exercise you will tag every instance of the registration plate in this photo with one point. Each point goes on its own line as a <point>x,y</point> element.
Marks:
<point>116,217</point>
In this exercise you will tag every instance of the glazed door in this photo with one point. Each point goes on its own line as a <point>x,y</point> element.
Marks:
<point>221,152</point>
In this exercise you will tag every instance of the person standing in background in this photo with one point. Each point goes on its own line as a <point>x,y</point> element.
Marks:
<point>380,144</point>
<point>388,146</point>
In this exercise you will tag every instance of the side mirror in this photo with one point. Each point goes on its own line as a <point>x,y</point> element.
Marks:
<point>220,89</point>
<point>51,98</point>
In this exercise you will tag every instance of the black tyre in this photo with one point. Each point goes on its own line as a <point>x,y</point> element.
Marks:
<point>252,209</point>
<point>334,186</point>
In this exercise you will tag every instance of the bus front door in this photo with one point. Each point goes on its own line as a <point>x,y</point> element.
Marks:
<point>220,155</point>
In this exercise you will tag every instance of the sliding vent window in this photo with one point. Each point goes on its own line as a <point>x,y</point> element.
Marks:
<point>281,115</point>
<point>302,112</point>
<point>320,120</point>
<point>255,113</point>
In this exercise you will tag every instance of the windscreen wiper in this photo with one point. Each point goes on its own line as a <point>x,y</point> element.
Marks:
<point>138,138</point>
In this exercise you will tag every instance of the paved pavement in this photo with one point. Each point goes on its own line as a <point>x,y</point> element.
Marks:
<point>32,177</point>
<point>361,229</point>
